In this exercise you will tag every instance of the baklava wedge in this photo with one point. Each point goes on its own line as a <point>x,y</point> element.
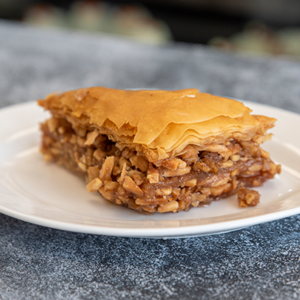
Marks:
<point>158,151</point>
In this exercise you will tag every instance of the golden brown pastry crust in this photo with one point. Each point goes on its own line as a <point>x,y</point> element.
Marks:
<point>159,123</point>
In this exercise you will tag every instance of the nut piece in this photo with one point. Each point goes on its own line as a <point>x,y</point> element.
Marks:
<point>140,201</point>
<point>140,162</point>
<point>233,149</point>
<point>278,169</point>
<point>273,168</point>
<point>81,132</point>
<point>170,206</point>
<point>227,164</point>
<point>73,139</point>
<point>111,186</point>
<point>221,181</point>
<point>163,192</point>
<point>234,172</point>
<point>190,183</point>
<point>264,154</point>
<point>94,185</point>
<point>99,154</point>
<point>179,172</point>
<point>109,195</point>
<point>82,166</point>
<point>123,173</point>
<point>175,193</point>
<point>201,166</point>
<point>80,141</point>
<point>137,176</point>
<point>153,175</point>
<point>174,164</point>
<point>93,172</point>
<point>259,139</point>
<point>255,167</point>
<point>218,190</point>
<point>52,124</point>
<point>61,130</point>
<point>205,191</point>
<point>91,137</point>
<point>130,186</point>
<point>198,197</point>
<point>123,161</point>
<point>190,153</point>
<point>247,197</point>
<point>48,157</point>
<point>251,148</point>
<point>217,148</point>
<point>235,157</point>
<point>107,167</point>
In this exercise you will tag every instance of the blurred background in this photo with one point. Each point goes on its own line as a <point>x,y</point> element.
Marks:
<point>258,27</point>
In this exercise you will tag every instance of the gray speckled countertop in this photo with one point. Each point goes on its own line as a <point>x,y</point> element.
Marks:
<point>260,262</point>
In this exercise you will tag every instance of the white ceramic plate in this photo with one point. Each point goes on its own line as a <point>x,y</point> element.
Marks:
<point>45,194</point>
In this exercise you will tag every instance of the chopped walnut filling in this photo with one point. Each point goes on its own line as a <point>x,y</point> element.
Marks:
<point>247,197</point>
<point>125,177</point>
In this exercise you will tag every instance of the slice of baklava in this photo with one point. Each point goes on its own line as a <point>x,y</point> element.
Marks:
<point>158,151</point>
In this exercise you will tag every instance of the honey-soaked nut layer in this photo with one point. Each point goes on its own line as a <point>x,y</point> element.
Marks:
<point>127,178</point>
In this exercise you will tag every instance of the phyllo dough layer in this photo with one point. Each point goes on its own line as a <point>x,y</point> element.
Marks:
<point>158,150</point>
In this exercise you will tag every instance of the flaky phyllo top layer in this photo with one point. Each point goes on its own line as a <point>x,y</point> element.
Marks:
<point>159,124</point>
